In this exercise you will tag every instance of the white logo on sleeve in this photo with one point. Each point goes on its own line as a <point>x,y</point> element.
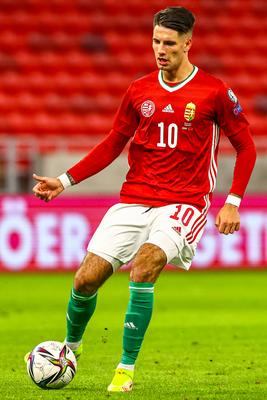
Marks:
<point>130,325</point>
<point>168,109</point>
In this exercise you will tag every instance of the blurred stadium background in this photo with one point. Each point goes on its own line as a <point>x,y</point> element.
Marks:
<point>64,66</point>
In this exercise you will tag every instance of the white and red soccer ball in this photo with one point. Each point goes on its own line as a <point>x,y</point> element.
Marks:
<point>51,365</point>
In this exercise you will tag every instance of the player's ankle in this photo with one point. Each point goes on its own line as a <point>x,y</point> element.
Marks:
<point>129,367</point>
<point>73,345</point>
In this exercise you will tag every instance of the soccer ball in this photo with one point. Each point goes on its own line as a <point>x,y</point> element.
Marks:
<point>51,365</point>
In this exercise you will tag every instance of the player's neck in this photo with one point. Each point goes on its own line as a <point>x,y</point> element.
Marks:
<point>179,74</point>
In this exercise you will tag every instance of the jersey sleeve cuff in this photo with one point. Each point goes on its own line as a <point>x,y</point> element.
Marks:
<point>65,181</point>
<point>234,200</point>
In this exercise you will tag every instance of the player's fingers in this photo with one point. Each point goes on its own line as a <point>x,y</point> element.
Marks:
<point>42,195</point>
<point>39,178</point>
<point>217,221</point>
<point>221,227</point>
<point>227,229</point>
<point>233,228</point>
<point>237,226</point>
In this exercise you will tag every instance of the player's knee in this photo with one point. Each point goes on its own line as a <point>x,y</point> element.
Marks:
<point>92,274</point>
<point>84,283</point>
<point>148,263</point>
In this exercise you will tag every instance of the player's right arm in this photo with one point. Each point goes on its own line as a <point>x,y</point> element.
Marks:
<point>95,161</point>
<point>124,126</point>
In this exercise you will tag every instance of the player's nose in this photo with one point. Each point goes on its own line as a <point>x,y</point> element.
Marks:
<point>161,49</point>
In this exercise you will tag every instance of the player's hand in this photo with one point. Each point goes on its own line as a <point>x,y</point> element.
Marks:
<point>228,219</point>
<point>47,188</point>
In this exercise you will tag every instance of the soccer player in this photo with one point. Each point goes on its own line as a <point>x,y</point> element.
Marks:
<point>172,118</point>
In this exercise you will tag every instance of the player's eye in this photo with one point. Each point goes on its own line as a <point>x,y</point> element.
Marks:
<point>169,43</point>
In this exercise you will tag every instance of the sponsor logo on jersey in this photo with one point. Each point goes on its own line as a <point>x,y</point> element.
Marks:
<point>232,96</point>
<point>148,108</point>
<point>190,111</point>
<point>168,109</point>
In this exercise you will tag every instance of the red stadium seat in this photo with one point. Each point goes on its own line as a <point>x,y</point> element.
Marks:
<point>20,123</point>
<point>13,83</point>
<point>70,124</point>
<point>6,103</point>
<point>90,7</point>
<point>27,62</point>
<point>75,23</point>
<point>8,63</point>
<point>97,124</point>
<point>48,22</point>
<point>27,103</point>
<point>117,83</point>
<point>55,104</point>
<point>23,22</point>
<point>92,83</point>
<point>11,42</point>
<point>45,124</point>
<point>66,64</point>
<point>76,62</point>
<point>39,83</point>
<point>81,104</point>
<point>50,62</point>
<point>107,103</point>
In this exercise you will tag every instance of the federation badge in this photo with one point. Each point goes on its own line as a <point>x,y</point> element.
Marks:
<point>190,111</point>
<point>148,108</point>
<point>232,96</point>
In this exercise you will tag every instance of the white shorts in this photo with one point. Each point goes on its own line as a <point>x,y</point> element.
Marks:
<point>175,228</point>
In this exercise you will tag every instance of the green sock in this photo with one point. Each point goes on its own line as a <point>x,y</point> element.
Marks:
<point>80,309</point>
<point>137,319</point>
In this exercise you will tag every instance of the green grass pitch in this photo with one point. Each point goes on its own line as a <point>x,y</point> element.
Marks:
<point>207,338</point>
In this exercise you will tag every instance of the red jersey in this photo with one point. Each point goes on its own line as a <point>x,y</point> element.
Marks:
<point>175,136</point>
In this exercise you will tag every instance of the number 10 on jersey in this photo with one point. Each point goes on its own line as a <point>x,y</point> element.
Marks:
<point>168,136</point>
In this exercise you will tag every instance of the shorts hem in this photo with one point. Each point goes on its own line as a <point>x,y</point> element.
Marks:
<point>115,262</point>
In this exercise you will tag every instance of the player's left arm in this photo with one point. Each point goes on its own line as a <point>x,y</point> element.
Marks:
<point>231,118</point>
<point>228,218</point>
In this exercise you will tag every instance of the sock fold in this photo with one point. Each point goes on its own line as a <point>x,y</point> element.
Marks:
<point>80,310</point>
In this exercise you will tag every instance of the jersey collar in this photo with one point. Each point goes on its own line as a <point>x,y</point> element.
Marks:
<point>181,84</point>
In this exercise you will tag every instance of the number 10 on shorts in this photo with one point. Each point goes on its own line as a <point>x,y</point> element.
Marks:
<point>185,216</point>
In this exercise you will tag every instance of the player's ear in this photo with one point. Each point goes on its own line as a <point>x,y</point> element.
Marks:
<point>187,43</point>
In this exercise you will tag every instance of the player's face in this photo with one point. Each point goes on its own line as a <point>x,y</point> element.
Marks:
<point>170,48</point>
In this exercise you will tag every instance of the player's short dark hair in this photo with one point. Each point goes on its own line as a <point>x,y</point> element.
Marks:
<point>177,18</point>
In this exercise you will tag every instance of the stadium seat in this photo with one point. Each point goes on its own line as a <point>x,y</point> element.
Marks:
<point>91,83</point>
<point>55,104</point>
<point>39,42</point>
<point>27,62</point>
<point>107,103</point>
<point>28,103</point>
<point>39,83</point>
<point>22,22</point>
<point>6,103</point>
<point>76,62</point>
<point>13,83</point>
<point>11,42</point>
<point>8,63</point>
<point>62,57</point>
<point>20,123</point>
<point>82,104</point>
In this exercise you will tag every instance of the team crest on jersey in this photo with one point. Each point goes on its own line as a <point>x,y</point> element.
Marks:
<point>148,108</point>
<point>190,111</point>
